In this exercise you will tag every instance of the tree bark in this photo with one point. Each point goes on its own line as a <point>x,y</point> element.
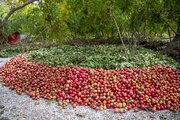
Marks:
<point>27,39</point>
<point>169,33</point>
<point>119,34</point>
<point>177,35</point>
<point>144,37</point>
<point>14,10</point>
<point>36,38</point>
<point>136,30</point>
<point>137,27</point>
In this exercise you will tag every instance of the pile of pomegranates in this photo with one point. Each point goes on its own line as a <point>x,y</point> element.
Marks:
<point>153,88</point>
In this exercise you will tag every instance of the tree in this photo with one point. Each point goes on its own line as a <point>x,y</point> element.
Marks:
<point>172,16</point>
<point>13,10</point>
<point>87,19</point>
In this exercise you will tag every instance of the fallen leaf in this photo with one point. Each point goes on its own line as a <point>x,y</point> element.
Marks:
<point>81,114</point>
<point>37,103</point>
<point>66,113</point>
<point>24,116</point>
<point>144,114</point>
<point>152,116</point>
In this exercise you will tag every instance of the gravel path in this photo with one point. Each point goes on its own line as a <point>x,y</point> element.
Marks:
<point>22,107</point>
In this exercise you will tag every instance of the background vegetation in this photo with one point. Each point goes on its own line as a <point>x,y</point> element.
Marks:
<point>93,19</point>
<point>82,22</point>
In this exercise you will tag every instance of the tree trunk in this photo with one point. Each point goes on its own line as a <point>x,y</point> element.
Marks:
<point>169,35</point>
<point>177,36</point>
<point>120,36</point>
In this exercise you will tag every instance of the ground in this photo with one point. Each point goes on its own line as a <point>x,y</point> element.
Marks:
<point>22,107</point>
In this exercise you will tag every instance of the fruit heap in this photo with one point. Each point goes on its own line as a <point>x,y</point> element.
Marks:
<point>154,88</point>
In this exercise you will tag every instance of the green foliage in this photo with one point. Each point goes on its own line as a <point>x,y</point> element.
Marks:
<point>3,11</point>
<point>91,19</point>
<point>11,26</point>
<point>53,19</point>
<point>18,22</point>
<point>101,56</point>
<point>12,51</point>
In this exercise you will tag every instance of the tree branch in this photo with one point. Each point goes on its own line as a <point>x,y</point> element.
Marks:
<point>172,29</point>
<point>125,50</point>
<point>177,33</point>
<point>138,23</point>
<point>27,39</point>
<point>36,38</point>
<point>14,10</point>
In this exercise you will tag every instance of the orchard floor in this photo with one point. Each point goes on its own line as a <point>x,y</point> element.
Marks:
<point>22,107</point>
